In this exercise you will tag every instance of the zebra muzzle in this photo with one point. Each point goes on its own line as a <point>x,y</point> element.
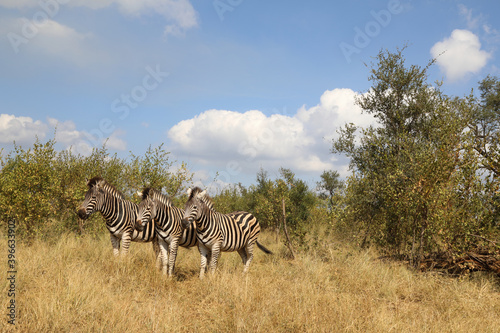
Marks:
<point>186,223</point>
<point>82,213</point>
<point>139,225</point>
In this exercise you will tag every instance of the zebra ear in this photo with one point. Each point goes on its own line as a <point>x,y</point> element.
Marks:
<point>189,192</point>
<point>98,186</point>
<point>139,193</point>
<point>201,194</point>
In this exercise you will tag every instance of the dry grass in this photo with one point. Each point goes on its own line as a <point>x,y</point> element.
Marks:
<point>75,285</point>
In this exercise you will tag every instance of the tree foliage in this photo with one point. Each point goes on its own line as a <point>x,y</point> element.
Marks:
<point>483,120</point>
<point>265,200</point>
<point>154,169</point>
<point>330,187</point>
<point>41,187</point>
<point>482,116</point>
<point>415,186</point>
<point>267,203</point>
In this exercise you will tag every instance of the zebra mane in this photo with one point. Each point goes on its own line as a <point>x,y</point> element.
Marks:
<point>149,192</point>
<point>205,199</point>
<point>194,192</point>
<point>109,187</point>
<point>92,182</point>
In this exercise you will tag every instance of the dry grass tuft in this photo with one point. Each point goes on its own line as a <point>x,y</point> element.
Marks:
<point>76,285</point>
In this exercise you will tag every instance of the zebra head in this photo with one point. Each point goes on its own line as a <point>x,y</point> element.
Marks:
<point>147,210</point>
<point>194,206</point>
<point>92,196</point>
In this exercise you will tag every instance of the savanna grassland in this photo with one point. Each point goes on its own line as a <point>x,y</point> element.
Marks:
<point>76,285</point>
<point>425,183</point>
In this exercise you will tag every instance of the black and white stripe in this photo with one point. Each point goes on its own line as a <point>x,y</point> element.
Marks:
<point>218,232</point>
<point>120,215</point>
<point>159,208</point>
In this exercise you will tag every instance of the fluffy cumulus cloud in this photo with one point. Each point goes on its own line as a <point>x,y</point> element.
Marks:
<point>246,134</point>
<point>460,54</point>
<point>20,129</point>
<point>25,130</point>
<point>252,139</point>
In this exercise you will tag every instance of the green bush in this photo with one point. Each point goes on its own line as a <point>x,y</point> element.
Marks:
<point>41,188</point>
<point>418,185</point>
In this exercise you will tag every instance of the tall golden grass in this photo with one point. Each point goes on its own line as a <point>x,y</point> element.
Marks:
<point>76,285</point>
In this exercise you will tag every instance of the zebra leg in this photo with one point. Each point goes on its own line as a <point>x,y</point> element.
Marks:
<point>159,259</point>
<point>209,255</point>
<point>157,250</point>
<point>249,252</point>
<point>204,252</point>
<point>174,245</point>
<point>126,239</point>
<point>115,242</point>
<point>243,254</point>
<point>164,255</point>
<point>214,258</point>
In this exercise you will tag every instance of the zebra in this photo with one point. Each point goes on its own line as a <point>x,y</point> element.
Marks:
<point>170,233</point>
<point>119,213</point>
<point>216,232</point>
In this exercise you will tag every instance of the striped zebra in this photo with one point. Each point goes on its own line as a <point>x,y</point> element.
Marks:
<point>216,232</point>
<point>119,213</point>
<point>170,233</point>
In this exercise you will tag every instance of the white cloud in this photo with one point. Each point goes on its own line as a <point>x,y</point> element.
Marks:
<point>251,140</point>
<point>336,107</point>
<point>479,24</point>
<point>63,42</point>
<point>24,130</point>
<point>471,21</point>
<point>460,54</point>
<point>245,134</point>
<point>20,129</point>
<point>179,14</point>
<point>49,38</point>
<point>115,142</point>
<point>66,131</point>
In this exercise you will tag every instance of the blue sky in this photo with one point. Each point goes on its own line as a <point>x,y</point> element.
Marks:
<point>229,86</point>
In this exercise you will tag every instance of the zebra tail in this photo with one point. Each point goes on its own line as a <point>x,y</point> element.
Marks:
<point>263,248</point>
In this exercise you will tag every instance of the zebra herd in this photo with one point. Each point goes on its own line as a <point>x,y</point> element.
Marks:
<point>155,219</point>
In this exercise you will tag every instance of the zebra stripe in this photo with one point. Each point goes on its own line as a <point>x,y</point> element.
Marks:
<point>158,207</point>
<point>119,213</point>
<point>216,232</point>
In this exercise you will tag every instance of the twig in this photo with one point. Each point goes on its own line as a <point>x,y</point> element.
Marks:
<point>286,231</point>
<point>485,239</point>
